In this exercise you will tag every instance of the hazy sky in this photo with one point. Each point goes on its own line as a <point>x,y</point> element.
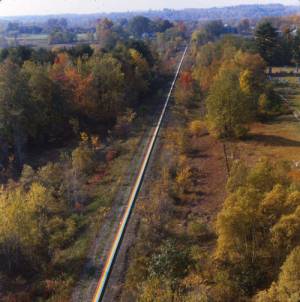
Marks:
<point>38,7</point>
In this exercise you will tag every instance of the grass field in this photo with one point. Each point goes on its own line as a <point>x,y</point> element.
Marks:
<point>41,40</point>
<point>278,138</point>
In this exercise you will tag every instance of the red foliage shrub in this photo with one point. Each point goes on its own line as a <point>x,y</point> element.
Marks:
<point>111,154</point>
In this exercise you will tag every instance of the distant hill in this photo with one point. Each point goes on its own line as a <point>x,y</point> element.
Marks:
<point>191,14</point>
<point>234,12</point>
<point>225,13</point>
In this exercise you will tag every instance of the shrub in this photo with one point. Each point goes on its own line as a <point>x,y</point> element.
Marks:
<point>169,262</point>
<point>124,123</point>
<point>197,228</point>
<point>183,179</point>
<point>196,127</point>
<point>184,142</point>
<point>27,176</point>
<point>83,159</point>
<point>50,175</point>
<point>111,154</point>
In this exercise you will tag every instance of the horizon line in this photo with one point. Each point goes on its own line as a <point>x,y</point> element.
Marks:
<point>142,11</point>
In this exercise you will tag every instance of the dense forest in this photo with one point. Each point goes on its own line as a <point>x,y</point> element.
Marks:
<point>65,122</point>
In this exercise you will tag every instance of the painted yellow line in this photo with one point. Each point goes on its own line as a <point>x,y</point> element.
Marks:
<point>99,293</point>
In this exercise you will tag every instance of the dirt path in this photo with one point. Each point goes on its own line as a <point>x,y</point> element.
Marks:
<point>212,177</point>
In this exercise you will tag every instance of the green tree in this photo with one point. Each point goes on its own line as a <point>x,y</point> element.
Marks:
<point>140,25</point>
<point>214,28</point>
<point>108,87</point>
<point>47,114</point>
<point>267,42</point>
<point>296,49</point>
<point>15,115</point>
<point>61,37</point>
<point>225,103</point>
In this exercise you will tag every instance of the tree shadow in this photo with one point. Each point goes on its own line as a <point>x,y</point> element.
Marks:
<point>273,140</point>
<point>278,119</point>
<point>283,74</point>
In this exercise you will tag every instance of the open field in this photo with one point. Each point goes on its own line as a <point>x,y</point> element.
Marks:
<point>279,138</point>
<point>41,40</point>
<point>34,40</point>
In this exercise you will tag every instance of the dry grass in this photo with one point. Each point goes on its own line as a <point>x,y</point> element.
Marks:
<point>278,139</point>
<point>287,69</point>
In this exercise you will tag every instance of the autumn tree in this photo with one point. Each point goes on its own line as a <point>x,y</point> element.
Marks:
<point>258,225</point>
<point>253,69</point>
<point>200,38</point>
<point>141,70</point>
<point>287,288</point>
<point>19,234</point>
<point>185,92</point>
<point>82,156</point>
<point>225,103</point>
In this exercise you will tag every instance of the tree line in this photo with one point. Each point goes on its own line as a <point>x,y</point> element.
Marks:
<point>278,47</point>
<point>43,101</point>
<point>231,72</point>
<point>65,121</point>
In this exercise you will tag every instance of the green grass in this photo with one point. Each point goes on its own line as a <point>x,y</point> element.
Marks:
<point>82,37</point>
<point>292,91</point>
<point>40,40</point>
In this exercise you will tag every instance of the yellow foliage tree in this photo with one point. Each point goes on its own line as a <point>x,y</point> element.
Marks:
<point>287,289</point>
<point>196,127</point>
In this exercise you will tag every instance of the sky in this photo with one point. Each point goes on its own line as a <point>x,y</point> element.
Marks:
<point>45,7</point>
